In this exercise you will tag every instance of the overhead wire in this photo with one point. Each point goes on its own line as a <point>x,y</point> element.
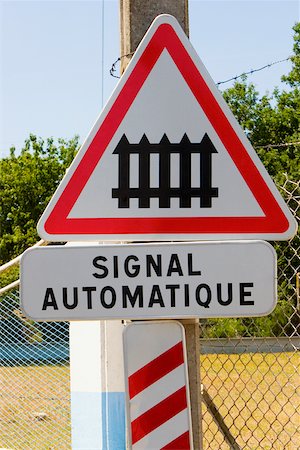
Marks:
<point>283,144</point>
<point>113,68</point>
<point>250,72</point>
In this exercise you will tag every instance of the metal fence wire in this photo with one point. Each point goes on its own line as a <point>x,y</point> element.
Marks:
<point>249,371</point>
<point>250,368</point>
<point>34,381</point>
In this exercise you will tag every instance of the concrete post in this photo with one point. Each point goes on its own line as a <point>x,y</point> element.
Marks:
<point>135,18</point>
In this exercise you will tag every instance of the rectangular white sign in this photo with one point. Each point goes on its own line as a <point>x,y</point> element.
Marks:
<point>148,281</point>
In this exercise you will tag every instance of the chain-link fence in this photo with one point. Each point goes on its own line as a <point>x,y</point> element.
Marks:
<point>34,381</point>
<point>249,369</point>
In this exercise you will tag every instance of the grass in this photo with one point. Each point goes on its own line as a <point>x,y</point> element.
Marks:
<point>257,394</point>
<point>35,408</point>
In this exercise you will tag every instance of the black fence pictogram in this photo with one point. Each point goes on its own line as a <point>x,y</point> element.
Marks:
<point>184,192</point>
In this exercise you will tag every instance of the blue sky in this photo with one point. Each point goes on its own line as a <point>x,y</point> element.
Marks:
<point>55,57</point>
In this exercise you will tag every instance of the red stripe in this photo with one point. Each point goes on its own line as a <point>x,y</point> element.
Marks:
<point>165,225</point>
<point>158,414</point>
<point>180,443</point>
<point>155,369</point>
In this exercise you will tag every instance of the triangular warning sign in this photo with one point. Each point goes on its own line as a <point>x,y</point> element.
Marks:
<point>166,160</point>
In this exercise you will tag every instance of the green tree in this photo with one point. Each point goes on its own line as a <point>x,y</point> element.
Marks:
<point>293,78</point>
<point>270,122</point>
<point>27,184</point>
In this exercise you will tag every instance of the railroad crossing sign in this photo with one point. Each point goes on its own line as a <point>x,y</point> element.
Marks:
<point>166,160</point>
<point>149,281</point>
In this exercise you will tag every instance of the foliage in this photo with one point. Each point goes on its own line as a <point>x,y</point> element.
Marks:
<point>293,78</point>
<point>273,119</point>
<point>27,184</point>
<point>9,275</point>
<point>270,122</point>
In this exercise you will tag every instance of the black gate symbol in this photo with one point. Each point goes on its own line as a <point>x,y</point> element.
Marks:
<point>185,192</point>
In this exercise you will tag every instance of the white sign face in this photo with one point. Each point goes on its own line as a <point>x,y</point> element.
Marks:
<point>166,160</point>
<point>157,387</point>
<point>148,281</point>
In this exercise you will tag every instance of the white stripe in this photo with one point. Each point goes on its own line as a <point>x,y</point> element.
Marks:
<point>165,434</point>
<point>141,348</point>
<point>157,392</point>
<point>85,356</point>
<point>112,333</point>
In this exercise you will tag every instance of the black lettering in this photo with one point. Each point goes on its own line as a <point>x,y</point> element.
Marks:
<point>89,291</point>
<point>172,288</point>
<point>49,300</point>
<point>113,297</point>
<point>244,293</point>
<point>100,266</point>
<point>190,266</point>
<point>200,302</point>
<point>156,297</point>
<point>155,265</point>
<point>186,295</point>
<point>229,294</point>
<point>65,298</point>
<point>116,267</point>
<point>138,294</point>
<point>135,268</point>
<point>174,266</point>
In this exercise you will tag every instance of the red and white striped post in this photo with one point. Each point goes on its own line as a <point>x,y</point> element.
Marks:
<point>158,410</point>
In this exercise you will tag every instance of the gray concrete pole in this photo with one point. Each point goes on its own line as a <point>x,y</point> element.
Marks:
<point>137,15</point>
<point>135,18</point>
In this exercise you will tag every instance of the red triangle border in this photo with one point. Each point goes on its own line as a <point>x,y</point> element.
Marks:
<point>274,221</point>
